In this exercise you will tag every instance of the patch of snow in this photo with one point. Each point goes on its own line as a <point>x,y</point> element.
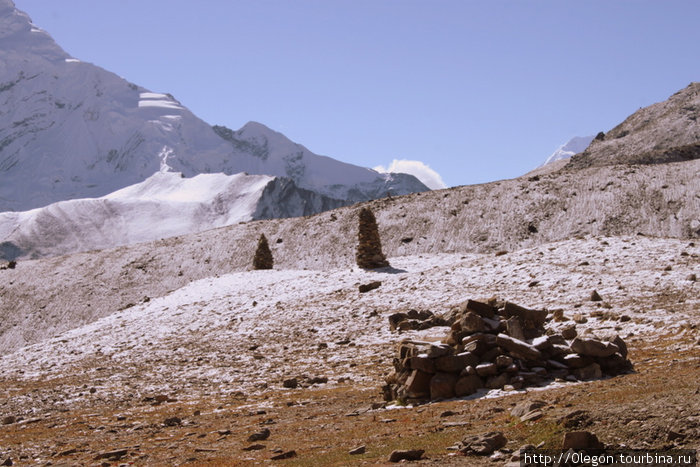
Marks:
<point>572,147</point>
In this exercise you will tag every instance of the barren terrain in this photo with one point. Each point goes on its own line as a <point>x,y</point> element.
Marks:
<point>185,378</point>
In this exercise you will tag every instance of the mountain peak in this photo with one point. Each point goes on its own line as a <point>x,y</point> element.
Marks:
<point>575,145</point>
<point>19,35</point>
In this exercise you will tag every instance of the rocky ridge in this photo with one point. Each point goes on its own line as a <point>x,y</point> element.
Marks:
<point>667,131</point>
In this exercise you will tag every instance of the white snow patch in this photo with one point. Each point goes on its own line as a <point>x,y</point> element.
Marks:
<point>160,104</point>
<point>418,169</point>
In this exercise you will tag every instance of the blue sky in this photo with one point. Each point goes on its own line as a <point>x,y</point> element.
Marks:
<point>478,90</point>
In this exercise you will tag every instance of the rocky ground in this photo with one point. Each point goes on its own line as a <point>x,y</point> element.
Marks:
<point>187,378</point>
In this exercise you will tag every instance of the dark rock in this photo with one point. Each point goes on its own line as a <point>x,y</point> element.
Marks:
<point>514,328</point>
<point>409,455</point>
<point>172,421</point>
<point>518,348</point>
<point>370,286</point>
<point>579,440</point>
<point>593,348</point>
<point>497,382</point>
<point>595,296</point>
<point>423,363</point>
<point>261,435</point>
<point>479,343</point>
<point>418,385</point>
<point>435,351</point>
<point>442,386</point>
<point>486,369</point>
<point>357,450</point>
<point>542,343</point>
<point>482,309</point>
<point>483,445</point>
<point>569,332</point>
<point>575,360</point>
<point>254,447</point>
<point>290,383</point>
<point>284,455</point>
<point>9,420</point>
<point>467,385</point>
<point>395,319</point>
<point>504,361</point>
<point>7,461</point>
<point>112,455</point>
<point>455,363</point>
<point>471,323</point>
<point>591,371</point>
<point>535,317</point>
<point>615,364</point>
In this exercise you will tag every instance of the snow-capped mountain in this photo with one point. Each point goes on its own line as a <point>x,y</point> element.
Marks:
<point>575,145</point>
<point>164,205</point>
<point>70,129</point>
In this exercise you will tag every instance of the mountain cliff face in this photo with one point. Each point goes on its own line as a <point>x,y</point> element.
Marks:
<point>70,129</point>
<point>164,205</point>
<point>667,131</point>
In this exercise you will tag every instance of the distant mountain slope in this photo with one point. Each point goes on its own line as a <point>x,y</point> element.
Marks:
<point>70,129</point>
<point>668,131</point>
<point>164,205</point>
<point>40,297</point>
<point>575,145</point>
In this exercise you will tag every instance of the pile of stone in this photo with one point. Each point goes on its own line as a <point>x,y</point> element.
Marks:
<point>414,320</point>
<point>369,253</point>
<point>499,346</point>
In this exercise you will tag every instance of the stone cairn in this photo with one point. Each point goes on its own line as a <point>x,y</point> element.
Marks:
<point>496,346</point>
<point>369,248</point>
<point>263,255</point>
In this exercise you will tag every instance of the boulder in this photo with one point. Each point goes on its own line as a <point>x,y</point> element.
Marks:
<point>580,440</point>
<point>535,318</point>
<point>471,322</point>
<point>482,309</point>
<point>486,369</point>
<point>504,361</point>
<point>467,385</point>
<point>526,407</point>
<point>442,386</point>
<point>518,348</point>
<point>435,351</point>
<point>418,385</point>
<point>261,435</point>
<point>409,455</point>
<point>591,371</point>
<point>514,328</point>
<point>483,445</point>
<point>423,363</point>
<point>455,363</point>
<point>574,360</point>
<point>593,348</point>
<point>497,382</point>
<point>569,332</point>
<point>364,288</point>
